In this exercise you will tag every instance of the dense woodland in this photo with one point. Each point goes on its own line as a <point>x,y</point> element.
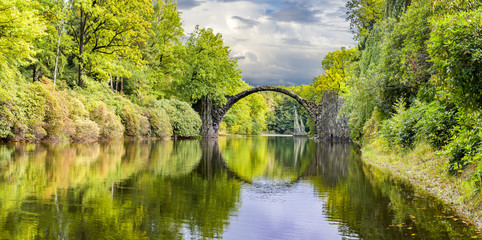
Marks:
<point>88,70</point>
<point>415,79</point>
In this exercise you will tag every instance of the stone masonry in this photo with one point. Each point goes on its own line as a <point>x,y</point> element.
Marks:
<point>330,124</point>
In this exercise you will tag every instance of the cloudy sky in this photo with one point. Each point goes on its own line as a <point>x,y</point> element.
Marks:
<point>276,42</point>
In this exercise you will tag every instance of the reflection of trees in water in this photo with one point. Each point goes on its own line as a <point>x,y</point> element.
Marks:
<point>130,190</point>
<point>178,158</point>
<point>171,190</point>
<point>369,204</point>
<point>275,158</point>
<point>330,163</point>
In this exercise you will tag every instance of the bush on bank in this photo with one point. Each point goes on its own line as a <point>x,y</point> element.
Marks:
<point>184,120</point>
<point>43,111</point>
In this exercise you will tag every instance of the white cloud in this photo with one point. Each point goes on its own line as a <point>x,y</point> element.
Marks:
<point>275,42</point>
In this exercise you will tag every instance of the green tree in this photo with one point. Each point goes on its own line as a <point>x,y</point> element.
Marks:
<point>164,52</point>
<point>363,14</point>
<point>20,25</point>
<point>281,117</point>
<point>335,66</point>
<point>211,72</point>
<point>105,31</point>
<point>456,48</point>
<point>53,45</point>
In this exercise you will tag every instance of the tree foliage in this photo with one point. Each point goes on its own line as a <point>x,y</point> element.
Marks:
<point>456,49</point>
<point>363,14</point>
<point>20,25</point>
<point>418,78</point>
<point>335,65</point>
<point>107,31</point>
<point>163,53</point>
<point>211,71</point>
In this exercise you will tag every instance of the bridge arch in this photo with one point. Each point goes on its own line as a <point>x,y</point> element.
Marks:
<point>329,125</point>
<point>212,116</point>
<point>311,107</point>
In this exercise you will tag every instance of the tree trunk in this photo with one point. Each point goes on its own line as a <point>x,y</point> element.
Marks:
<point>60,30</point>
<point>111,84</point>
<point>56,60</point>
<point>117,83</point>
<point>35,73</point>
<point>122,85</point>
<point>80,83</point>
<point>209,127</point>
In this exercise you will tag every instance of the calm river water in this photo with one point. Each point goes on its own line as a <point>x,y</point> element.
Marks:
<point>233,188</point>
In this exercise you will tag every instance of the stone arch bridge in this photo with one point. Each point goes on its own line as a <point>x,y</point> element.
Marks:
<point>330,126</point>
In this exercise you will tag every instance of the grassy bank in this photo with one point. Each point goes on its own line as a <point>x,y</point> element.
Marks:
<point>426,168</point>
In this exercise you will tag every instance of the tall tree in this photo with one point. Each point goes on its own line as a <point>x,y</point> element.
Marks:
<point>363,14</point>
<point>20,24</point>
<point>49,56</point>
<point>212,72</point>
<point>60,32</point>
<point>335,66</point>
<point>108,30</point>
<point>164,52</point>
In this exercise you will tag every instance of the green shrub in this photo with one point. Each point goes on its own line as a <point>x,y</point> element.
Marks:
<point>37,131</point>
<point>455,47</point>
<point>184,120</point>
<point>6,120</point>
<point>144,126</point>
<point>85,130</point>
<point>130,120</point>
<point>40,111</point>
<point>257,128</point>
<point>477,178</point>
<point>58,124</point>
<point>26,110</point>
<point>159,120</point>
<point>32,104</point>
<point>400,129</point>
<point>77,109</point>
<point>465,145</point>
<point>430,122</point>
<point>371,127</point>
<point>435,124</point>
<point>110,125</point>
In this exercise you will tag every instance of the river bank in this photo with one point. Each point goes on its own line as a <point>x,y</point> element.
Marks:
<point>427,169</point>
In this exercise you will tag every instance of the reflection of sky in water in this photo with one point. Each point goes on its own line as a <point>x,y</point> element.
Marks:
<point>188,189</point>
<point>281,214</point>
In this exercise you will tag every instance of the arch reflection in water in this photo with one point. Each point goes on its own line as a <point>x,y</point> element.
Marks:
<point>268,158</point>
<point>353,201</point>
<point>237,188</point>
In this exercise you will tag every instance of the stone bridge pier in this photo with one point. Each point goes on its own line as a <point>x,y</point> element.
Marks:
<point>330,125</point>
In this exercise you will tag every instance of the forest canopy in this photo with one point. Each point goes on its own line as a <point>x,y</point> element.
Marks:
<point>415,78</point>
<point>84,70</point>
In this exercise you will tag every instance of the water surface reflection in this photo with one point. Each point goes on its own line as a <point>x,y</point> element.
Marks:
<point>233,188</point>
